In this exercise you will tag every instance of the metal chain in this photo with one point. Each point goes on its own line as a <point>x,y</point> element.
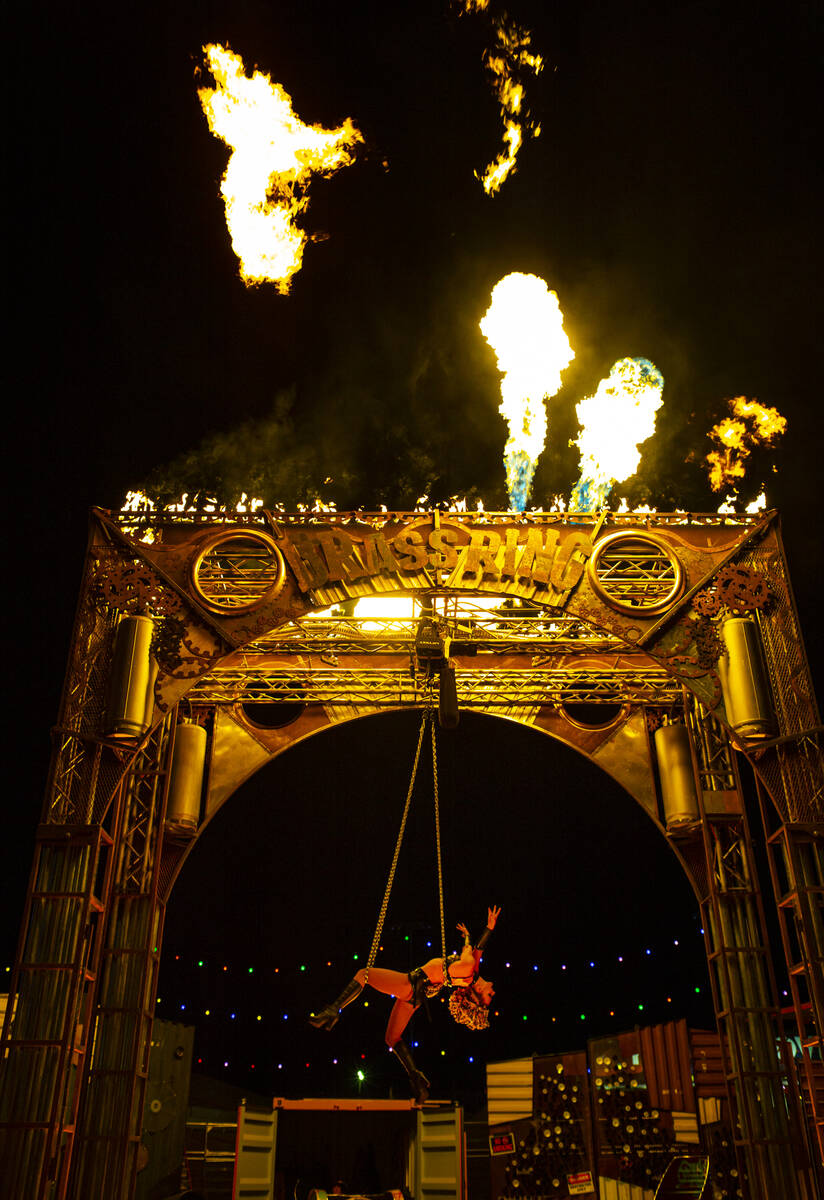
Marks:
<point>438,846</point>
<point>385,905</point>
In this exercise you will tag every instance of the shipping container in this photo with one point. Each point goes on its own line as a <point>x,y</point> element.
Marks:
<point>309,1149</point>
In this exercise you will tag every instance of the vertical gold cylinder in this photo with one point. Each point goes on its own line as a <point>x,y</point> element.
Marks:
<point>744,679</point>
<point>131,700</point>
<point>672,745</point>
<point>186,779</point>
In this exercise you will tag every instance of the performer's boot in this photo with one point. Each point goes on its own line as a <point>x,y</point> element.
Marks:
<point>417,1080</point>
<point>327,1018</point>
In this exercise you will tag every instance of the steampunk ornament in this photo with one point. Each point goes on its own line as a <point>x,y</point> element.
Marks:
<point>741,588</point>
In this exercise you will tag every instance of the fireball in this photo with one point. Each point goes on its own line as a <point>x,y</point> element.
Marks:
<point>524,325</point>
<point>274,155</point>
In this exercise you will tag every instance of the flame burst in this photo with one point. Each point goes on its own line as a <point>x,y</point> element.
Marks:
<point>525,327</point>
<point>509,60</point>
<point>614,422</point>
<point>751,424</point>
<point>274,155</point>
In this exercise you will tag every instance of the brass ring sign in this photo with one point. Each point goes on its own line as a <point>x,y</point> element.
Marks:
<point>544,562</point>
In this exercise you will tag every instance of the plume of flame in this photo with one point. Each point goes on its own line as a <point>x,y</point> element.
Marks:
<point>614,422</point>
<point>274,155</point>
<point>758,504</point>
<point>138,501</point>
<point>507,63</point>
<point>524,325</point>
<point>728,504</point>
<point>750,424</point>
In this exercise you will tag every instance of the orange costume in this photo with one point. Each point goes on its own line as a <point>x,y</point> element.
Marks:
<point>468,1003</point>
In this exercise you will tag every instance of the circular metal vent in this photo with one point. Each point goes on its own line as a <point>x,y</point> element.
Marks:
<point>237,569</point>
<point>636,572</point>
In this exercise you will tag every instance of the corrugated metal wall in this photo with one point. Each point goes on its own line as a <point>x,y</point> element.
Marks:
<point>613,1189</point>
<point>669,1078</point>
<point>665,1051</point>
<point>509,1090</point>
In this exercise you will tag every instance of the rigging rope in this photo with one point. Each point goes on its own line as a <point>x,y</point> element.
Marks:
<point>426,717</point>
<point>438,841</point>
<point>385,904</point>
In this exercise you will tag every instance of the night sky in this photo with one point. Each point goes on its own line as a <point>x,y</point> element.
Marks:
<point>672,201</point>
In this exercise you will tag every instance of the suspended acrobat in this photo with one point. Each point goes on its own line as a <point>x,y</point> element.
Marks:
<point>469,1002</point>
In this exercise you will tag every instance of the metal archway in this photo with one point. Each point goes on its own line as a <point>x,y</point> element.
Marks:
<point>628,610</point>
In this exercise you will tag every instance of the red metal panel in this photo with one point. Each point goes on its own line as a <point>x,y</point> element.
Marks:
<point>665,1051</point>
<point>673,1067</point>
<point>662,1067</point>
<point>648,1058</point>
<point>685,1068</point>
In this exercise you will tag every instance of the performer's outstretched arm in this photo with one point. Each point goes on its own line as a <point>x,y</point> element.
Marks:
<point>491,919</point>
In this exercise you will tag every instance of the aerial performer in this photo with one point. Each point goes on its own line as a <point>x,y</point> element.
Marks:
<point>468,1003</point>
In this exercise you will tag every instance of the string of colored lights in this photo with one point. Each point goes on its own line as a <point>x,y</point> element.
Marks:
<point>278,1003</point>
<point>303,967</point>
<point>215,1014</point>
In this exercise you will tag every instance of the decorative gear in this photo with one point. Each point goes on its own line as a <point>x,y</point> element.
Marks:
<point>655,719</point>
<point>741,589</point>
<point>708,644</point>
<point>131,585</point>
<point>166,641</point>
<point>707,603</point>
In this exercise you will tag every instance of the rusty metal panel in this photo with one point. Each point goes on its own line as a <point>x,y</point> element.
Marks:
<point>665,1051</point>
<point>680,1085</point>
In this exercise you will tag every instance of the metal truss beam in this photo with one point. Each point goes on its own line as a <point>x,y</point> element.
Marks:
<point>477,688</point>
<point>473,630</point>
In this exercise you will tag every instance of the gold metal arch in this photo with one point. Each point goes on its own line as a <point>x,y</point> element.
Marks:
<point>238,631</point>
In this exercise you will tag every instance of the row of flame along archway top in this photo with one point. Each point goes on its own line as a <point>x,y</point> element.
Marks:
<point>617,572</point>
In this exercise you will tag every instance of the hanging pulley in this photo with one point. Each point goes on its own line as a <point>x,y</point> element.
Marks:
<point>432,654</point>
